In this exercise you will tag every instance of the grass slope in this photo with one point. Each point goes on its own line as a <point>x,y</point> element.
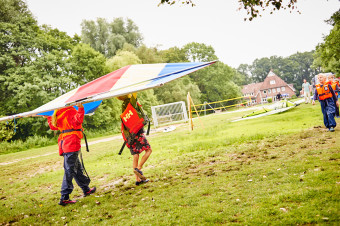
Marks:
<point>279,169</point>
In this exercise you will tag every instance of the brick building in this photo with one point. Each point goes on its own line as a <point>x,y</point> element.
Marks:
<point>270,87</point>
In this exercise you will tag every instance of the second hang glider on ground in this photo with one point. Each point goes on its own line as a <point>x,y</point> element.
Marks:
<point>129,79</point>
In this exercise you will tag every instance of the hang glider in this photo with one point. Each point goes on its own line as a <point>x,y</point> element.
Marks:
<point>129,79</point>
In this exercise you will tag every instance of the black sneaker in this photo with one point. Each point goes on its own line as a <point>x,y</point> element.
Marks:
<point>331,129</point>
<point>139,174</point>
<point>142,182</point>
<point>92,190</point>
<point>66,202</point>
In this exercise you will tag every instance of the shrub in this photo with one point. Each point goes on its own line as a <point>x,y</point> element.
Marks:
<point>269,100</point>
<point>31,142</point>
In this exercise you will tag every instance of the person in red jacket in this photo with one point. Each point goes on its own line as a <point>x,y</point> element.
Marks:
<point>69,122</point>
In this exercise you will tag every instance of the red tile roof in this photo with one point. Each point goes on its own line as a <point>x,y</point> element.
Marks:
<point>252,88</point>
<point>292,87</point>
<point>272,77</point>
<point>255,87</point>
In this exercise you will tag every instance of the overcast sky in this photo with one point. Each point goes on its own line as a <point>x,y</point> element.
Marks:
<point>214,22</point>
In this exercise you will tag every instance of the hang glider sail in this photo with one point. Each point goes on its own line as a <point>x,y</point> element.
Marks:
<point>129,79</point>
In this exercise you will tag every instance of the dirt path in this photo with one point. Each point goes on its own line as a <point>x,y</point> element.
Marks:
<point>117,137</point>
<point>56,151</point>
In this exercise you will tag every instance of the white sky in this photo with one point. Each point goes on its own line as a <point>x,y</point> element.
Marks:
<point>214,22</point>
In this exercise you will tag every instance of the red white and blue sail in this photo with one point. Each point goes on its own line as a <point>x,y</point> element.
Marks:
<point>129,79</point>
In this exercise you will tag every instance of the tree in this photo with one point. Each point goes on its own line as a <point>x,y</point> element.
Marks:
<point>244,69</point>
<point>86,64</point>
<point>302,68</point>
<point>38,64</point>
<point>6,131</point>
<point>174,54</point>
<point>149,55</point>
<point>252,7</point>
<point>217,82</point>
<point>177,91</point>
<point>260,68</point>
<point>109,37</point>
<point>327,54</point>
<point>122,59</point>
<point>199,52</point>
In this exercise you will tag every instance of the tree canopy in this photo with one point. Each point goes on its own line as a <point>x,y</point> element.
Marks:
<point>327,54</point>
<point>109,37</point>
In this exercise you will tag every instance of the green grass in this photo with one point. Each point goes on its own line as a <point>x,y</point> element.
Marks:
<point>278,169</point>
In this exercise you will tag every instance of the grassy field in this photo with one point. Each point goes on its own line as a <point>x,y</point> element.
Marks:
<point>279,169</point>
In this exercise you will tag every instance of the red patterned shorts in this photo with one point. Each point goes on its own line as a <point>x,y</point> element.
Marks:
<point>140,144</point>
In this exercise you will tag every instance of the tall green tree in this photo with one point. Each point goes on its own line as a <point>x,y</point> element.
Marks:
<point>149,55</point>
<point>38,64</point>
<point>200,52</point>
<point>122,59</point>
<point>32,64</point>
<point>109,37</point>
<point>244,69</point>
<point>301,68</point>
<point>174,54</point>
<point>327,54</point>
<point>85,65</point>
<point>177,91</point>
<point>217,82</point>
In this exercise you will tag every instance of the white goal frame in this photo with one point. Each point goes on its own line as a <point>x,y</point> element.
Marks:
<point>168,113</point>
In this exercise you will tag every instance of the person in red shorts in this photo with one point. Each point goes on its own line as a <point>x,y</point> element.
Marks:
<point>133,120</point>
<point>69,121</point>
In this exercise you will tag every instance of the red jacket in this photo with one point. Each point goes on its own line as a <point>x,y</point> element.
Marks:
<point>68,118</point>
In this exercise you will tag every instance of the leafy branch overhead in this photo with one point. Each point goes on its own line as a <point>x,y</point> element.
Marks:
<point>253,7</point>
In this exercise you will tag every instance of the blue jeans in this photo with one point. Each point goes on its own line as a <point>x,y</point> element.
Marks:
<point>328,110</point>
<point>73,169</point>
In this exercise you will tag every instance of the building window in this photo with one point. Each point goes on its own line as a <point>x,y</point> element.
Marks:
<point>264,91</point>
<point>272,82</point>
<point>278,89</point>
<point>269,91</point>
<point>252,94</point>
<point>274,90</point>
<point>264,99</point>
<point>283,88</point>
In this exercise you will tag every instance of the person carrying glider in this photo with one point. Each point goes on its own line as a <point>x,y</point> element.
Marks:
<point>133,121</point>
<point>69,121</point>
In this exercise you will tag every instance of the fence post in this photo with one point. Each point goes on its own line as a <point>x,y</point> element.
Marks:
<point>191,125</point>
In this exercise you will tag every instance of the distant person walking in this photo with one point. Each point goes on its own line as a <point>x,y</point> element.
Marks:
<point>306,91</point>
<point>278,96</point>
